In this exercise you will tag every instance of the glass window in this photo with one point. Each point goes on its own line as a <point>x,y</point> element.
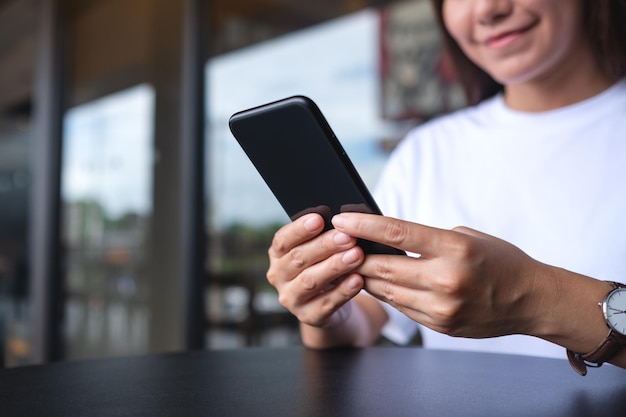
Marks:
<point>374,72</point>
<point>17,56</point>
<point>335,64</point>
<point>121,205</point>
<point>106,191</point>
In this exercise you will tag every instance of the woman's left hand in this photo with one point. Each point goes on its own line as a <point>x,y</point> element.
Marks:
<point>464,283</point>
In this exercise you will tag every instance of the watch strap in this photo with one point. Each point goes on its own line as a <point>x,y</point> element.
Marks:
<point>609,347</point>
<point>605,351</point>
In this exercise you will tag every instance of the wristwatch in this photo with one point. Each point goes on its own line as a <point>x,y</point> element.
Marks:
<point>614,310</point>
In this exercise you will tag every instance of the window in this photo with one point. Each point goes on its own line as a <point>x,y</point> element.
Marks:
<point>124,77</point>
<point>107,205</point>
<point>17,57</point>
<point>374,72</point>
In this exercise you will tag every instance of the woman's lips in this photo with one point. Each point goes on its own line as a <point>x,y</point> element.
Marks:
<point>503,39</point>
<point>507,37</point>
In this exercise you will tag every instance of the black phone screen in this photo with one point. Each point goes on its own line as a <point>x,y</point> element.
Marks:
<point>299,157</point>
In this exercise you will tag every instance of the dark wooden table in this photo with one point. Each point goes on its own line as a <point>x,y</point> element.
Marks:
<point>300,382</point>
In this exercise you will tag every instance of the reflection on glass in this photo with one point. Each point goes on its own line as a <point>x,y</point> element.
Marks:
<point>336,65</point>
<point>107,194</point>
<point>15,142</point>
<point>374,74</point>
<point>18,46</point>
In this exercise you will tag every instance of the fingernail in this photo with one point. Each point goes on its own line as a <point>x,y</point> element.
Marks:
<point>311,224</point>
<point>341,238</point>
<point>354,282</point>
<point>350,257</point>
<point>339,221</point>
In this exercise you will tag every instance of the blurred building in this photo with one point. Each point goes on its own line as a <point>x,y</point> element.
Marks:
<point>130,222</point>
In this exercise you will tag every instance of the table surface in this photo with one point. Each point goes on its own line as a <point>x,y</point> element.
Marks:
<point>296,381</point>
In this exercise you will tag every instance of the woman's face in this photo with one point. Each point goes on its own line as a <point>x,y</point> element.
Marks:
<point>517,41</point>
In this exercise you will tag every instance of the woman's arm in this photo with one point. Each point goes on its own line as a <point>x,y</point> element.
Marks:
<point>469,284</point>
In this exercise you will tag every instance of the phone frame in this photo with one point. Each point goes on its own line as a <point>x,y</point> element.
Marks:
<point>297,126</point>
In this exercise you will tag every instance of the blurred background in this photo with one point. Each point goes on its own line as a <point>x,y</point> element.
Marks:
<point>130,220</point>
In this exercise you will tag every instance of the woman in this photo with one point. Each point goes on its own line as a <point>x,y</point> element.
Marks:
<point>539,161</point>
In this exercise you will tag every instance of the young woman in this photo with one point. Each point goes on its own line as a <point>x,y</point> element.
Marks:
<point>537,165</point>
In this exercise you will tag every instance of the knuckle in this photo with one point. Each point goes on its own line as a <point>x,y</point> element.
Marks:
<point>447,315</point>
<point>289,298</point>
<point>395,233</point>
<point>307,282</point>
<point>388,291</point>
<point>297,258</point>
<point>279,245</point>
<point>450,286</point>
<point>272,277</point>
<point>327,307</point>
<point>383,269</point>
<point>466,249</point>
<point>284,301</point>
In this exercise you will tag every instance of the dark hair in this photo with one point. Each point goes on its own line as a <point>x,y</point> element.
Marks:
<point>604,20</point>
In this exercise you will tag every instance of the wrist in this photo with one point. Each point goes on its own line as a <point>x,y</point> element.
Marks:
<point>337,331</point>
<point>361,327</point>
<point>340,316</point>
<point>541,299</point>
<point>567,311</point>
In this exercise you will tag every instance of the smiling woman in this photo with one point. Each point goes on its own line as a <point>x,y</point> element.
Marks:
<point>507,169</point>
<point>467,26</point>
<point>528,45</point>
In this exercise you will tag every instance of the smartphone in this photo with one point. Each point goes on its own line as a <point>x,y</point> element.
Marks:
<point>295,151</point>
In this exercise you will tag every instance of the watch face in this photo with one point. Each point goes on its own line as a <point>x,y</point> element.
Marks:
<point>615,310</point>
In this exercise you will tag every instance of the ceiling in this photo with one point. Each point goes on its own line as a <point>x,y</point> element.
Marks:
<point>232,24</point>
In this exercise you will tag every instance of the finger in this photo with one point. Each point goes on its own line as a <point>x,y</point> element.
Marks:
<point>295,233</point>
<point>402,271</point>
<point>320,277</point>
<point>411,237</point>
<point>307,254</point>
<point>320,311</point>
<point>411,285</point>
<point>436,311</point>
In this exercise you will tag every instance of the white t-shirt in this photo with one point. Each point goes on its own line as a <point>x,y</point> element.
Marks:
<point>552,183</point>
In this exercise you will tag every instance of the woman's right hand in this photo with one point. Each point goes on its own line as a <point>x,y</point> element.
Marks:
<point>313,271</point>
